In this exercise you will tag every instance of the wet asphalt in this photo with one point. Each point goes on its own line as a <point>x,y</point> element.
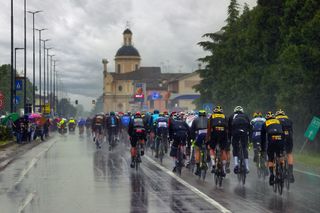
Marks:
<point>68,174</point>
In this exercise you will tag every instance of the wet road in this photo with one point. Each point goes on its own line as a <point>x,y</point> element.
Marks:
<point>67,174</point>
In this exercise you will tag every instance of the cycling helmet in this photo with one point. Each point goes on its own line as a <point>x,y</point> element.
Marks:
<point>238,109</point>
<point>161,114</point>
<point>280,112</point>
<point>155,111</point>
<point>260,114</point>
<point>255,114</point>
<point>166,113</point>
<point>112,113</point>
<point>218,109</point>
<point>269,115</point>
<point>202,112</point>
<point>137,115</point>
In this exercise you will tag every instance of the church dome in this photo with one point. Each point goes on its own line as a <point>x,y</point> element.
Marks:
<point>127,31</point>
<point>127,50</point>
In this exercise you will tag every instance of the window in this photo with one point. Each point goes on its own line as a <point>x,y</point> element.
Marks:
<point>120,88</point>
<point>119,68</point>
<point>136,66</point>
<point>151,104</point>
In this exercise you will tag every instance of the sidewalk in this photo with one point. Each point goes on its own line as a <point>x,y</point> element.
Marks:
<point>12,150</point>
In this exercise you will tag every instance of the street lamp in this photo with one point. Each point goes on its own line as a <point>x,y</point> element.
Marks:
<point>34,71</point>
<point>50,81</point>
<point>47,82</point>
<point>12,71</point>
<point>14,77</point>
<point>44,68</point>
<point>25,56</point>
<point>40,94</point>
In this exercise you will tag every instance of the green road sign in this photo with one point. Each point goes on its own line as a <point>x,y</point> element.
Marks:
<point>313,129</point>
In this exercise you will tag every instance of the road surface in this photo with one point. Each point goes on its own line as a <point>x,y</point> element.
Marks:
<point>67,174</point>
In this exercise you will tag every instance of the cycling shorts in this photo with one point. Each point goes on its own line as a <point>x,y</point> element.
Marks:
<point>98,128</point>
<point>218,138</point>
<point>200,139</point>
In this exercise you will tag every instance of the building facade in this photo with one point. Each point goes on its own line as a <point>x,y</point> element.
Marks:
<point>134,87</point>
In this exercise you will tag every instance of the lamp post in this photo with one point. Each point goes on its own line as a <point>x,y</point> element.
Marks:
<point>44,69</point>
<point>14,77</point>
<point>12,70</point>
<point>47,74</point>
<point>40,94</point>
<point>54,85</point>
<point>33,66</point>
<point>50,81</point>
<point>25,56</point>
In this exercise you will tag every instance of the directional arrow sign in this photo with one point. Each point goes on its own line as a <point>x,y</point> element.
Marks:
<point>18,85</point>
<point>313,129</point>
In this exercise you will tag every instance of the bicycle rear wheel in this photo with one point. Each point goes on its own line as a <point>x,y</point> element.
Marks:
<point>287,177</point>
<point>161,151</point>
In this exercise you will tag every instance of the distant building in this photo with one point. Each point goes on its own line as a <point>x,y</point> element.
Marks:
<point>133,87</point>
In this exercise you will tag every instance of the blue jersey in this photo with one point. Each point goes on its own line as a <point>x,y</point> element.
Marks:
<point>256,126</point>
<point>125,120</point>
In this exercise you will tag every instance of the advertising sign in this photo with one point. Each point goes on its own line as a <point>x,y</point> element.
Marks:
<point>139,92</point>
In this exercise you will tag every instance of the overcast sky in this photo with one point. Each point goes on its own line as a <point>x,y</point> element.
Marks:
<point>82,32</point>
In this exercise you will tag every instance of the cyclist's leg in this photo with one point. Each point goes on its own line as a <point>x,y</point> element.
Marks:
<point>133,151</point>
<point>212,145</point>
<point>271,150</point>
<point>173,152</point>
<point>198,145</point>
<point>235,150</point>
<point>288,148</point>
<point>244,143</point>
<point>223,147</point>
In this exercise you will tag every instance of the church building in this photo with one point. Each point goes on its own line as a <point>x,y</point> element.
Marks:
<point>134,87</point>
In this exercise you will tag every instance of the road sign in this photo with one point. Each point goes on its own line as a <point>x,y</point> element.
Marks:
<point>313,128</point>
<point>16,100</point>
<point>47,108</point>
<point>208,107</point>
<point>18,85</point>
<point>2,103</point>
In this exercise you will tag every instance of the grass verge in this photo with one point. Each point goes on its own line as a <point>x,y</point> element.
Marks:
<point>309,159</point>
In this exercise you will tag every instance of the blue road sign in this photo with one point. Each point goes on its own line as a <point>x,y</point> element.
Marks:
<point>208,107</point>
<point>17,100</point>
<point>18,85</point>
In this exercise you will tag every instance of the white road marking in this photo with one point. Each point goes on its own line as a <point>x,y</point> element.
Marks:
<point>306,173</point>
<point>300,171</point>
<point>31,164</point>
<point>192,188</point>
<point>25,203</point>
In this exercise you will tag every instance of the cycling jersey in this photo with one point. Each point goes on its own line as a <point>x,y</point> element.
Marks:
<point>256,126</point>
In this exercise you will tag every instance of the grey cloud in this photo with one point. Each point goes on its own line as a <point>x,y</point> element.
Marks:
<point>83,32</point>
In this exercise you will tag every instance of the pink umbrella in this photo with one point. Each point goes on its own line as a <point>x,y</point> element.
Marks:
<point>34,115</point>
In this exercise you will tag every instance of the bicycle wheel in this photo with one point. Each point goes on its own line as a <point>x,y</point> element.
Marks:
<point>287,177</point>
<point>216,178</point>
<point>281,180</point>
<point>244,173</point>
<point>161,151</point>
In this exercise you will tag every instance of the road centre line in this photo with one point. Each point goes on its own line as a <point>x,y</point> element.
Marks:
<point>192,188</point>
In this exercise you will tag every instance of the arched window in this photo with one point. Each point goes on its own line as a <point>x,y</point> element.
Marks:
<point>119,68</point>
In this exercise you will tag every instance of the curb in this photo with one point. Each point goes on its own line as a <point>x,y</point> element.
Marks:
<point>7,145</point>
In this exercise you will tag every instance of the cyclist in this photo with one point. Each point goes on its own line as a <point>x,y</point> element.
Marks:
<point>81,125</point>
<point>198,133</point>
<point>151,123</point>
<point>255,133</point>
<point>239,127</point>
<point>179,133</point>
<point>161,128</point>
<point>71,124</point>
<point>112,126</point>
<point>272,134</point>
<point>136,131</point>
<point>288,139</point>
<point>217,134</point>
<point>88,125</point>
<point>97,128</point>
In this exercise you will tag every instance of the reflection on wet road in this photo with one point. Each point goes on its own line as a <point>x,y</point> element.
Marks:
<point>67,174</point>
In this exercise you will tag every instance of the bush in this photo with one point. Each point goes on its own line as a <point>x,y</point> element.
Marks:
<point>5,133</point>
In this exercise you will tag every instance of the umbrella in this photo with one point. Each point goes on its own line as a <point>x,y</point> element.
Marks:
<point>14,116</point>
<point>34,115</point>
